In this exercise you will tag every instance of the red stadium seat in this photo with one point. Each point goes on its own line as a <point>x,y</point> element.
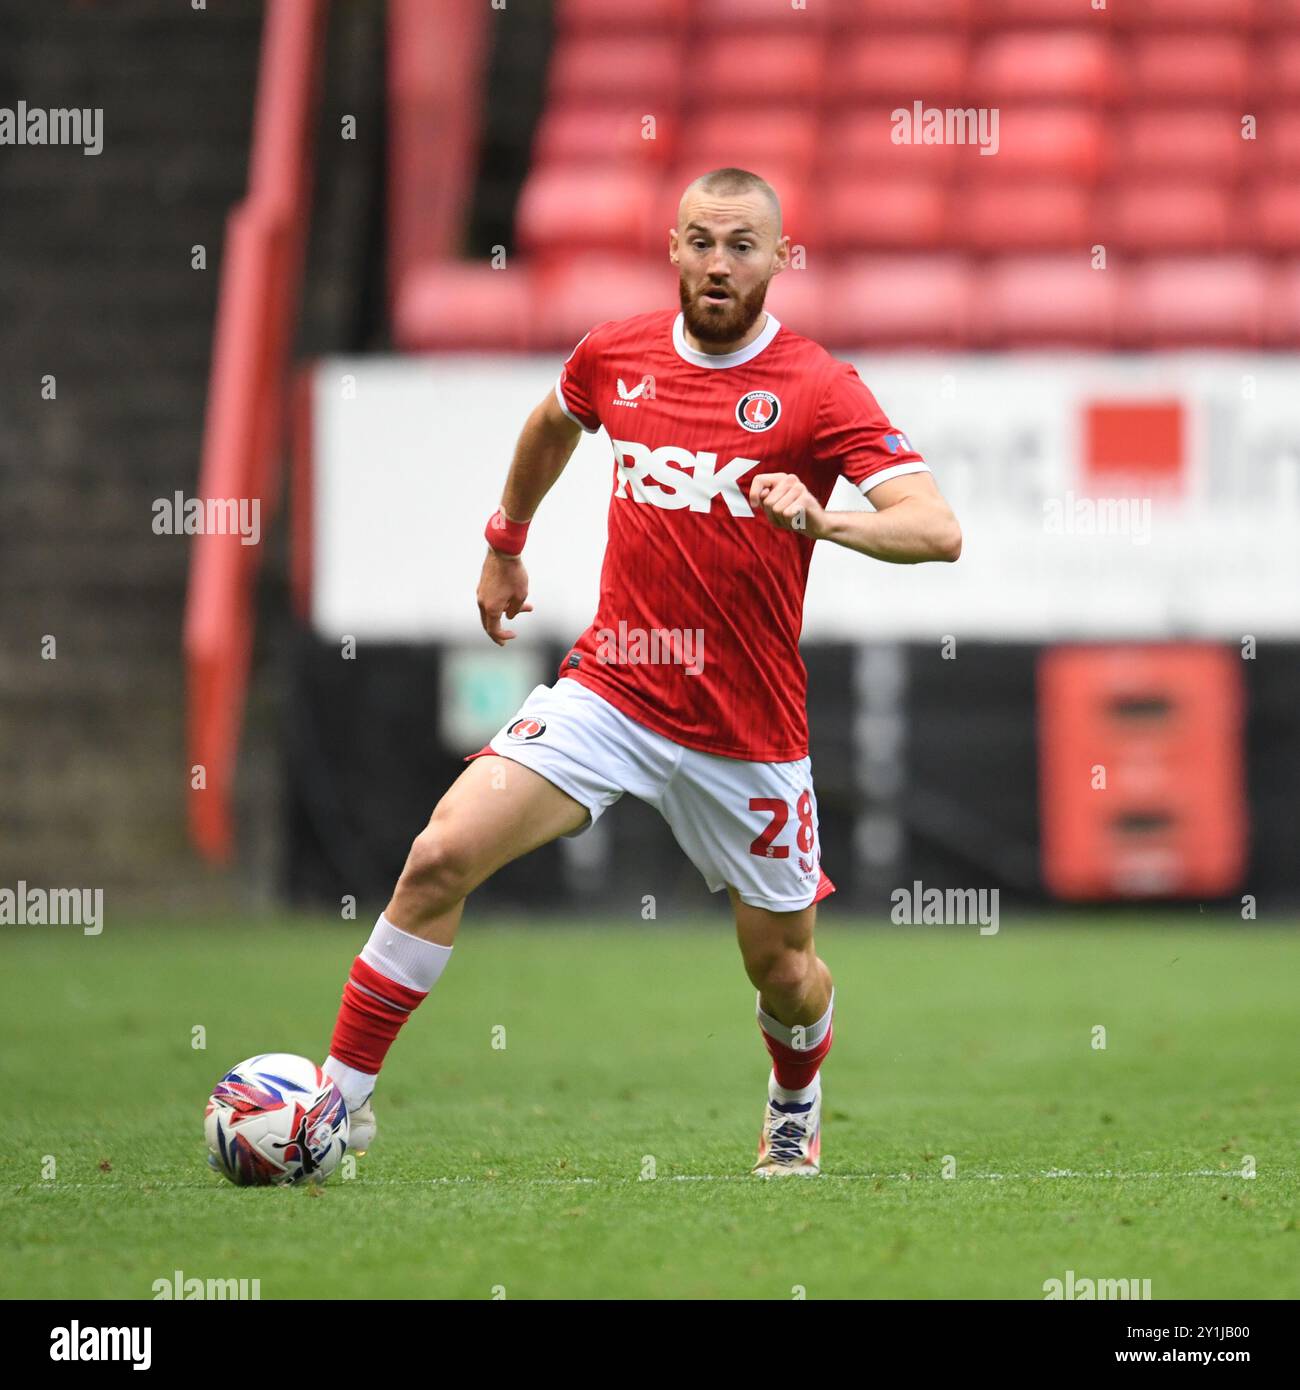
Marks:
<point>1204,142</point>
<point>571,296</point>
<point>1195,302</point>
<point>1192,14</point>
<point>620,69</point>
<point>905,67</point>
<point>758,69</point>
<point>589,209</point>
<point>585,135</point>
<point>1192,67</point>
<point>1284,67</point>
<point>1073,65</point>
<point>798,298</point>
<point>448,305</point>
<point>876,212</point>
<point>783,139</point>
<point>1168,217</point>
<point>1279,140</point>
<point>1002,14</point>
<point>1064,141</point>
<point>1273,213</point>
<point>897,301</point>
<point>1048,300</point>
<point>620,16</point>
<point>800,207</point>
<point>1282,317</point>
<point>746,16</point>
<point>997,214</point>
<point>863,139</point>
<point>874,15</point>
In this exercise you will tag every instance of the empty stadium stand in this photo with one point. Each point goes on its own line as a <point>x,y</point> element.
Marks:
<point>1145,187</point>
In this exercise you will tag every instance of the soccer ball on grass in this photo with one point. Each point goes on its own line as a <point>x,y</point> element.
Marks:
<point>275,1119</point>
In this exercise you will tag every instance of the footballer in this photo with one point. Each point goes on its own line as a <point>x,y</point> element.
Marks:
<point>729,432</point>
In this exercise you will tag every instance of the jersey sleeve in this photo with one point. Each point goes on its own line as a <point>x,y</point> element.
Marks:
<point>576,388</point>
<point>854,435</point>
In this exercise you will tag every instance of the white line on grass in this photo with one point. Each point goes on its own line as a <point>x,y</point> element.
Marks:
<point>480,1179</point>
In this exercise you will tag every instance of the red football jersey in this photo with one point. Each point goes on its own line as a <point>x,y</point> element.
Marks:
<point>696,633</point>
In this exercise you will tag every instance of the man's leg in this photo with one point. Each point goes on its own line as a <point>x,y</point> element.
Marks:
<point>793,983</point>
<point>495,811</point>
<point>795,999</point>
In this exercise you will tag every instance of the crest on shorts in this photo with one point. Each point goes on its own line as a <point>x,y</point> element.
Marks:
<point>758,410</point>
<point>527,727</point>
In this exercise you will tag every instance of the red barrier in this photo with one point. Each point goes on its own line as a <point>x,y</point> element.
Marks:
<point>257,306</point>
<point>1141,771</point>
<point>437,52</point>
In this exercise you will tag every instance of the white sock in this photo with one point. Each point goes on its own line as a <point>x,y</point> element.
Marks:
<point>407,960</point>
<point>356,1086</point>
<point>813,1033</point>
<point>775,1091</point>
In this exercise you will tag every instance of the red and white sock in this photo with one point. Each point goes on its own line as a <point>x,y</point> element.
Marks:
<point>796,1056</point>
<point>389,979</point>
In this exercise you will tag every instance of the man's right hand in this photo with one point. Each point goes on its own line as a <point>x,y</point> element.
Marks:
<point>502,592</point>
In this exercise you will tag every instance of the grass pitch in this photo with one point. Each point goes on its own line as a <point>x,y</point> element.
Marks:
<point>516,1171</point>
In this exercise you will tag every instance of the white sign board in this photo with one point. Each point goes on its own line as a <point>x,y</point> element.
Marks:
<point>409,456</point>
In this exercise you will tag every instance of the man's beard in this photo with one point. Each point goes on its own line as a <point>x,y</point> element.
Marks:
<point>723,323</point>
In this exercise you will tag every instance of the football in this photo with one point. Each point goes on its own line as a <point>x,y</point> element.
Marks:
<point>275,1119</point>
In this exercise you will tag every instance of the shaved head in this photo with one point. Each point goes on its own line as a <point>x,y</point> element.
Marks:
<point>725,184</point>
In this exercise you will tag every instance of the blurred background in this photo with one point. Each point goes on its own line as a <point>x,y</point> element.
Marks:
<point>328,257</point>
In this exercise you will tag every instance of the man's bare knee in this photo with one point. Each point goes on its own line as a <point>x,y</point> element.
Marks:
<point>439,872</point>
<point>783,973</point>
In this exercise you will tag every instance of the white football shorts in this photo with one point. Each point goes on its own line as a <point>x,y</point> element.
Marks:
<point>750,825</point>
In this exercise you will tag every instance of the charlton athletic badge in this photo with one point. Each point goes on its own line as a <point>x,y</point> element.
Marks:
<point>757,410</point>
<point>523,729</point>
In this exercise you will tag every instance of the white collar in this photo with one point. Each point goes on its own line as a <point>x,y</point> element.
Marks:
<point>727,359</point>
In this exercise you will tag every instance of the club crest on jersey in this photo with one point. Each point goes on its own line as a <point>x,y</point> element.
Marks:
<point>526,728</point>
<point>757,411</point>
